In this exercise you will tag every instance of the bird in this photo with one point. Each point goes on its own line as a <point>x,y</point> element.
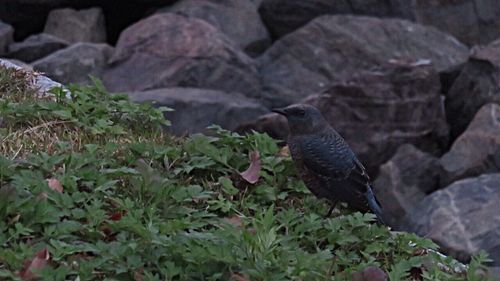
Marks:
<point>326,163</point>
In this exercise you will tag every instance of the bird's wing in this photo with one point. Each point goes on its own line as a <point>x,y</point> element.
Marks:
<point>333,160</point>
<point>328,157</point>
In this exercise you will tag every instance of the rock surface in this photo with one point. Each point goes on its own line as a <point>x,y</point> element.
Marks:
<point>238,19</point>
<point>36,47</point>
<point>478,24</point>
<point>330,48</point>
<point>196,109</point>
<point>404,181</point>
<point>167,50</point>
<point>378,110</point>
<point>77,26</point>
<point>478,19</point>
<point>477,150</point>
<point>75,63</point>
<point>477,84</point>
<point>6,37</point>
<point>463,218</point>
<point>285,16</point>
<point>42,83</point>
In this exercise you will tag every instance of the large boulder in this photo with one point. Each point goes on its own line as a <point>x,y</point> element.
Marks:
<point>29,16</point>
<point>77,26</point>
<point>331,48</point>
<point>168,50</point>
<point>477,84</point>
<point>75,63</point>
<point>238,19</point>
<point>285,16</point>
<point>463,218</point>
<point>378,110</point>
<point>6,37</point>
<point>471,21</point>
<point>477,150</point>
<point>35,47</point>
<point>404,181</point>
<point>196,109</point>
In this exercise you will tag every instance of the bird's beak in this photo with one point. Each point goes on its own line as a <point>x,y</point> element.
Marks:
<point>279,111</point>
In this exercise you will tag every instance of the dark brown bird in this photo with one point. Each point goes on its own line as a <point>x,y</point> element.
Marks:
<point>325,162</point>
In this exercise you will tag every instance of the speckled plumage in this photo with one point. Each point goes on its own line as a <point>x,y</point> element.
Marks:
<point>325,162</point>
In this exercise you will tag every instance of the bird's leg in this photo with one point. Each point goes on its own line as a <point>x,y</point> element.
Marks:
<point>333,203</point>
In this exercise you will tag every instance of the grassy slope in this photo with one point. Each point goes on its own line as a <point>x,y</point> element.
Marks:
<point>141,205</point>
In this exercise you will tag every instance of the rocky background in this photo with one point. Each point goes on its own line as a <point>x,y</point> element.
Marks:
<point>412,85</point>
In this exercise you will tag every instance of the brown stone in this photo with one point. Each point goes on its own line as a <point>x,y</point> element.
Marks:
<point>331,48</point>
<point>75,63</point>
<point>6,37</point>
<point>477,150</point>
<point>463,218</point>
<point>285,16</point>
<point>77,26</point>
<point>196,109</point>
<point>35,47</point>
<point>477,84</point>
<point>404,181</point>
<point>168,50</point>
<point>238,19</point>
<point>378,110</point>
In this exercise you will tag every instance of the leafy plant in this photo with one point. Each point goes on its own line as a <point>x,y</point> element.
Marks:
<point>97,191</point>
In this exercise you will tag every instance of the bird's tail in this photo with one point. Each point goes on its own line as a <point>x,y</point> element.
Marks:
<point>374,205</point>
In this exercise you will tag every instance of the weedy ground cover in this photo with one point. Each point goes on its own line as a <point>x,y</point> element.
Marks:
<point>91,188</point>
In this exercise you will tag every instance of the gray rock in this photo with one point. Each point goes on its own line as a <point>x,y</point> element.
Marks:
<point>463,218</point>
<point>330,48</point>
<point>477,150</point>
<point>404,181</point>
<point>6,37</point>
<point>77,26</point>
<point>478,19</point>
<point>75,63</point>
<point>477,84</point>
<point>36,47</point>
<point>169,50</point>
<point>380,109</point>
<point>41,83</point>
<point>195,109</point>
<point>238,19</point>
<point>20,64</point>
<point>478,24</point>
<point>285,16</point>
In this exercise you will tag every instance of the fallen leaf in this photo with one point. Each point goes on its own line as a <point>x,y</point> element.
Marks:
<point>38,262</point>
<point>138,274</point>
<point>235,221</point>
<point>55,184</point>
<point>238,277</point>
<point>116,216</point>
<point>284,151</point>
<point>42,196</point>
<point>251,174</point>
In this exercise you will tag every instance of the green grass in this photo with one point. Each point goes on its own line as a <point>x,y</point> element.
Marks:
<point>138,204</point>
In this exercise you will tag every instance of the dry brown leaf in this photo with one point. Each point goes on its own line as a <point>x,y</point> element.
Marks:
<point>138,275</point>
<point>39,261</point>
<point>56,185</point>
<point>251,175</point>
<point>238,277</point>
<point>284,151</point>
<point>234,220</point>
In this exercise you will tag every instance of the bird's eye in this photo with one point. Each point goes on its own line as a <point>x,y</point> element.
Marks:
<point>301,112</point>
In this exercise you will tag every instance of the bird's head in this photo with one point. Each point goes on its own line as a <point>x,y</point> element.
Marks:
<point>303,118</point>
